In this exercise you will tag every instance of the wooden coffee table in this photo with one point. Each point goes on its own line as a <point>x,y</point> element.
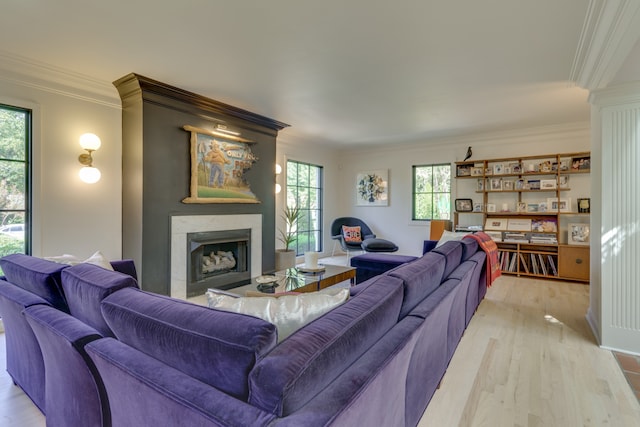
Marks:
<point>294,280</point>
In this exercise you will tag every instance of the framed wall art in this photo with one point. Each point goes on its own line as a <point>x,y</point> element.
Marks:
<point>218,163</point>
<point>578,234</point>
<point>372,188</point>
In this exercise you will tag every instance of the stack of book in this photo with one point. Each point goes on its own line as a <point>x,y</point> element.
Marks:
<point>511,237</point>
<point>544,239</point>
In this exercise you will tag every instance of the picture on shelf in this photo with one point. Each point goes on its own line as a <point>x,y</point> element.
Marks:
<point>547,184</point>
<point>463,170</point>
<point>496,224</point>
<point>532,207</point>
<point>496,184</point>
<point>559,205</point>
<point>476,171</point>
<point>477,207</point>
<point>578,234</point>
<point>491,207</point>
<point>563,181</point>
<point>542,207</point>
<point>464,205</point>
<point>498,169</point>
<point>521,207</point>
<point>519,224</point>
<point>480,186</point>
<point>519,185</point>
<point>547,225</point>
<point>515,167</point>
<point>507,185</point>
<point>533,184</point>
<point>581,163</point>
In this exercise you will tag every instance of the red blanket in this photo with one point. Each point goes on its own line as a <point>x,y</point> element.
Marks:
<point>487,244</point>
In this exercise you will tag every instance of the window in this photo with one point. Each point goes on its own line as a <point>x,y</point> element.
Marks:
<point>15,218</point>
<point>304,189</point>
<point>432,192</point>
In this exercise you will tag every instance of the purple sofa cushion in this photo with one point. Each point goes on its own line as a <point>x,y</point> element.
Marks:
<point>420,278</point>
<point>36,275</point>
<point>469,247</point>
<point>85,286</point>
<point>216,347</point>
<point>310,359</point>
<point>452,252</point>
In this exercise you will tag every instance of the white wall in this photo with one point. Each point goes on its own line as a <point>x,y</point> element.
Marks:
<point>69,216</point>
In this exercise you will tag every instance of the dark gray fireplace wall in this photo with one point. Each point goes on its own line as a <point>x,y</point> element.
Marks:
<point>156,171</point>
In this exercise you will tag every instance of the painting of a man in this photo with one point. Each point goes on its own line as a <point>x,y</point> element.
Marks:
<point>216,159</point>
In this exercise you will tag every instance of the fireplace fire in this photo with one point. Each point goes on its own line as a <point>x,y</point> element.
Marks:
<point>218,259</point>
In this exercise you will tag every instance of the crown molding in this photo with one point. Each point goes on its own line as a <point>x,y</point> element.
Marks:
<point>610,30</point>
<point>616,95</point>
<point>27,72</point>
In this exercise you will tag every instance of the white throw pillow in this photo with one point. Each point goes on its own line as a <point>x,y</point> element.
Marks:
<point>450,235</point>
<point>97,259</point>
<point>288,312</point>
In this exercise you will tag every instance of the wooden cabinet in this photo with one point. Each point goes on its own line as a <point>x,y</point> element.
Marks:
<point>574,262</point>
<point>527,204</point>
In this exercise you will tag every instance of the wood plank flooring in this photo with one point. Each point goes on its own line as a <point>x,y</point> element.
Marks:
<point>527,359</point>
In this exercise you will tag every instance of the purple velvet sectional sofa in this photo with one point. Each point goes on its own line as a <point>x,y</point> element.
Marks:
<point>377,359</point>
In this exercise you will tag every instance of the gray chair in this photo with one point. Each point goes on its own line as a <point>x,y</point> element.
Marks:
<point>338,237</point>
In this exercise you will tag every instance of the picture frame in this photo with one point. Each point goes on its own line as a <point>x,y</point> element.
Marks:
<point>496,236</point>
<point>507,170</point>
<point>578,234</point>
<point>477,207</point>
<point>507,185</point>
<point>488,171</point>
<point>498,169</point>
<point>519,184</point>
<point>463,170</point>
<point>563,182</point>
<point>464,205</point>
<point>521,207</point>
<point>542,207</point>
<point>498,224</point>
<point>516,168</point>
<point>581,163</point>
<point>496,184</point>
<point>584,205</point>
<point>491,207</point>
<point>372,188</point>
<point>532,207</point>
<point>519,224</point>
<point>558,205</point>
<point>548,184</point>
<point>476,171</point>
<point>480,185</point>
<point>218,166</point>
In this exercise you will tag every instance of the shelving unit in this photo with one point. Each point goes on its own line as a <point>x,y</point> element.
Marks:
<point>528,204</point>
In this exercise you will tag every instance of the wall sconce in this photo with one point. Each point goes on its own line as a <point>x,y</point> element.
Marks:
<point>278,172</point>
<point>88,173</point>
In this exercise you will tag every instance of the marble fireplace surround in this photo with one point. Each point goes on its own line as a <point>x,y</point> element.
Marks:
<point>183,224</point>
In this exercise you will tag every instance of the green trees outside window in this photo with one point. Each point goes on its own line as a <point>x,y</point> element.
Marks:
<point>432,192</point>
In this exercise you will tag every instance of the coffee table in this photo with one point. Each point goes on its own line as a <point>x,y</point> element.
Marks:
<point>294,280</point>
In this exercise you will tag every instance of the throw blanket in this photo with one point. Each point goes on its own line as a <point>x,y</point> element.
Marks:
<point>487,244</point>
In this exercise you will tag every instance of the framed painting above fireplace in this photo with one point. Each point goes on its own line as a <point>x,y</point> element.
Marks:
<point>218,163</point>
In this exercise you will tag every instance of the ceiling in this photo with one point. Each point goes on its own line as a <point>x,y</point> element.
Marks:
<point>340,72</point>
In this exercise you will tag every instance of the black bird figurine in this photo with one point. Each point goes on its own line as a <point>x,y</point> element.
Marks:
<point>469,153</point>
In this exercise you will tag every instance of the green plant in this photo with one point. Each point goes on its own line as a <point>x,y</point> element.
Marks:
<point>291,215</point>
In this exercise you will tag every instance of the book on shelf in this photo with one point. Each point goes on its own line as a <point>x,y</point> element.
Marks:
<point>552,264</point>
<point>523,260</point>
<point>543,264</point>
<point>496,236</point>
<point>519,224</point>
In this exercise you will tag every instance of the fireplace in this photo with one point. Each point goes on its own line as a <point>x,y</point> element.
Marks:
<point>217,259</point>
<point>184,225</point>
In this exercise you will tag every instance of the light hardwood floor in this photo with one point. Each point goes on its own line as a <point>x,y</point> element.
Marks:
<point>527,358</point>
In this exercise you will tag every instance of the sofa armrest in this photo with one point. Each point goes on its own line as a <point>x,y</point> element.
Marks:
<point>428,246</point>
<point>144,391</point>
<point>125,266</point>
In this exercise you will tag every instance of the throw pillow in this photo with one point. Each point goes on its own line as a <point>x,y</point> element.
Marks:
<point>352,234</point>
<point>96,259</point>
<point>450,235</point>
<point>288,312</point>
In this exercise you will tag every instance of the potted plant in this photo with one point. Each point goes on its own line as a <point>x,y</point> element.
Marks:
<point>286,258</point>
